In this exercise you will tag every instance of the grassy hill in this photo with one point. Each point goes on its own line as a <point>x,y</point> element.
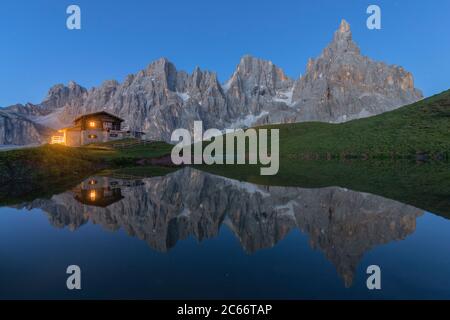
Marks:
<point>425,185</point>
<point>25,173</point>
<point>57,161</point>
<point>422,127</point>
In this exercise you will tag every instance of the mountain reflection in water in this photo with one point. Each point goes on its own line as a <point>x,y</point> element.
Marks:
<point>343,224</point>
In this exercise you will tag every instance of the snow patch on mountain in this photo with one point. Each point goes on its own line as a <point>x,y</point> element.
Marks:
<point>285,96</point>
<point>184,96</point>
<point>248,120</point>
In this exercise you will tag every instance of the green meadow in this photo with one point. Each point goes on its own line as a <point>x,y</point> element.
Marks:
<point>402,155</point>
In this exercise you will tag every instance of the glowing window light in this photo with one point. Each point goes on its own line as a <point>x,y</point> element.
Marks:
<point>92,124</point>
<point>92,195</point>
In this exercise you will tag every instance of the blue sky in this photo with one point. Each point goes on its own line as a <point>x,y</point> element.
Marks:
<point>121,37</point>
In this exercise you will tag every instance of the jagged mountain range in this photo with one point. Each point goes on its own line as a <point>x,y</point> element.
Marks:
<point>342,223</point>
<point>338,86</point>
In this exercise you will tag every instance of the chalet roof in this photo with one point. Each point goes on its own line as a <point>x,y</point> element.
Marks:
<point>97,114</point>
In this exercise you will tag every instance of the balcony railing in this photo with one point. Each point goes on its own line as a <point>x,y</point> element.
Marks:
<point>57,139</point>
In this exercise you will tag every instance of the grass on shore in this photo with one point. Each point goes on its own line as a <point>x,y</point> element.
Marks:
<point>57,161</point>
<point>122,156</point>
<point>140,171</point>
<point>48,169</point>
<point>422,127</point>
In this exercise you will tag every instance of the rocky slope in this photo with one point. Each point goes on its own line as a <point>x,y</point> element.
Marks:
<point>339,85</point>
<point>163,210</point>
<point>342,84</point>
<point>17,129</point>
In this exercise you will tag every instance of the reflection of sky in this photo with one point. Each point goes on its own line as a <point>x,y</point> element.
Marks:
<point>421,261</point>
<point>34,256</point>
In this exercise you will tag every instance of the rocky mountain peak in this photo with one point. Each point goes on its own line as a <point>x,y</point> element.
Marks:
<point>60,95</point>
<point>342,42</point>
<point>72,85</point>
<point>202,80</point>
<point>338,86</point>
<point>159,64</point>
<point>341,84</point>
<point>344,27</point>
<point>257,76</point>
<point>162,71</point>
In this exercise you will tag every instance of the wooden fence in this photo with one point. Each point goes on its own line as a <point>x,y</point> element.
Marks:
<point>128,144</point>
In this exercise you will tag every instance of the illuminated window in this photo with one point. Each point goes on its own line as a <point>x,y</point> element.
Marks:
<point>92,181</point>
<point>92,136</point>
<point>92,195</point>
<point>92,124</point>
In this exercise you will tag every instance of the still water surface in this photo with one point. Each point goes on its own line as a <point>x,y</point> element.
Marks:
<point>191,234</point>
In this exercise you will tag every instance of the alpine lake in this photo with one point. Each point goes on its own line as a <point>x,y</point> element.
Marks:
<point>206,232</point>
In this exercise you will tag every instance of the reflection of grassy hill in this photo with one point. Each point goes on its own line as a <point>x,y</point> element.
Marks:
<point>14,193</point>
<point>139,172</point>
<point>421,127</point>
<point>26,171</point>
<point>423,185</point>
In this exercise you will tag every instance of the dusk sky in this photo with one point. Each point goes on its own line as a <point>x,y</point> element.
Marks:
<point>121,37</point>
